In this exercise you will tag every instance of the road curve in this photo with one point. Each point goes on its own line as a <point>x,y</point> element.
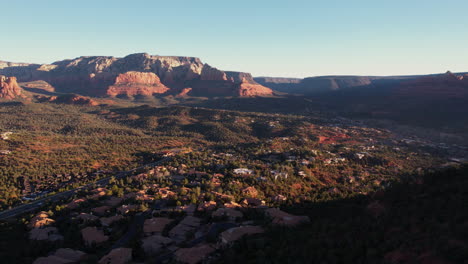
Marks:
<point>13,212</point>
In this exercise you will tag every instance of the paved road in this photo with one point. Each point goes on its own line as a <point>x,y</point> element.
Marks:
<point>56,197</point>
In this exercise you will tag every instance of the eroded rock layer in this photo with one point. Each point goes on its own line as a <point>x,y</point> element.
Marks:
<point>137,83</point>
<point>137,74</point>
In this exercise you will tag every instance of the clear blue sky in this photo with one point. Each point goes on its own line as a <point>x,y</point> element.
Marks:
<point>267,38</point>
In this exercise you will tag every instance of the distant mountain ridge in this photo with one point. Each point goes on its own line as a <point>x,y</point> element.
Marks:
<point>103,75</point>
<point>323,84</point>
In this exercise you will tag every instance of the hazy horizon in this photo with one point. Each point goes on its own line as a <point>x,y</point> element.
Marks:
<point>266,38</point>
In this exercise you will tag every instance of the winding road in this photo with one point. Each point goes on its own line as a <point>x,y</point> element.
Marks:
<point>13,212</point>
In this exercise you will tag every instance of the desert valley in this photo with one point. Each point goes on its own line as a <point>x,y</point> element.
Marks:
<point>164,159</point>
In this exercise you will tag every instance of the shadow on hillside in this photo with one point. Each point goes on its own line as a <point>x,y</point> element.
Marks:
<point>40,91</point>
<point>284,105</point>
<point>420,220</point>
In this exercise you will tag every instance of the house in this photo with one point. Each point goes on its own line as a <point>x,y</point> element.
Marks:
<point>232,205</point>
<point>92,236</point>
<point>195,254</point>
<point>359,155</point>
<point>47,233</point>
<point>230,213</point>
<point>98,193</point>
<point>40,220</point>
<point>113,201</point>
<point>61,256</point>
<point>117,256</point>
<point>165,192</point>
<point>107,221</point>
<point>87,217</point>
<point>243,171</point>
<point>188,209</point>
<point>278,174</point>
<point>101,210</point>
<point>237,233</point>
<point>6,135</point>
<point>153,245</point>
<point>282,218</point>
<point>252,202</point>
<point>250,192</point>
<point>155,225</point>
<point>180,231</point>
<point>279,198</point>
<point>124,209</point>
<point>207,206</point>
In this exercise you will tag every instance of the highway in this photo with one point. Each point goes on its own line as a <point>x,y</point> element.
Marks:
<point>13,212</point>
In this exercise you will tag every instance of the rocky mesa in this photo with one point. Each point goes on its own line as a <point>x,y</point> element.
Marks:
<point>137,74</point>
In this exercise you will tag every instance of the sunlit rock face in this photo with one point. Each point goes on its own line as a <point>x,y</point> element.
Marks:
<point>137,83</point>
<point>9,88</point>
<point>137,74</point>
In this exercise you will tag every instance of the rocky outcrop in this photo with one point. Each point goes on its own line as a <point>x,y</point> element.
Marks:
<point>184,92</point>
<point>73,99</point>
<point>9,88</point>
<point>214,82</point>
<point>137,74</point>
<point>137,83</point>
<point>38,86</point>
<point>249,90</point>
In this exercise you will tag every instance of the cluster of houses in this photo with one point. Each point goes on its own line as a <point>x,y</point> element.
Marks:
<point>186,233</point>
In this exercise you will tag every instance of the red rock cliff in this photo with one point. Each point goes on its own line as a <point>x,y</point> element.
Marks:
<point>9,88</point>
<point>136,74</point>
<point>137,83</point>
<point>214,82</point>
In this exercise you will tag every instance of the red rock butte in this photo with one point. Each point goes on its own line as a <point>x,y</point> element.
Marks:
<point>137,83</point>
<point>9,88</point>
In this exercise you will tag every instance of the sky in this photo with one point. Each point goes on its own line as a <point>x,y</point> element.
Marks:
<point>288,38</point>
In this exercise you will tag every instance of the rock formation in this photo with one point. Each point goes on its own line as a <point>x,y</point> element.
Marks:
<point>214,82</point>
<point>137,83</point>
<point>184,92</point>
<point>68,99</point>
<point>9,88</point>
<point>137,74</point>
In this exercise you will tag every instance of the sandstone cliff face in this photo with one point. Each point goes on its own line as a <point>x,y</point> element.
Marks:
<point>9,88</point>
<point>214,82</point>
<point>97,76</point>
<point>247,89</point>
<point>212,74</point>
<point>137,83</point>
